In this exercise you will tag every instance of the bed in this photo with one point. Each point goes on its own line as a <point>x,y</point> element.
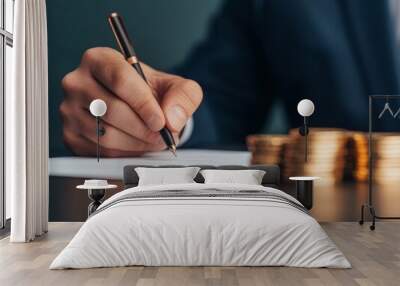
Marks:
<point>198,224</point>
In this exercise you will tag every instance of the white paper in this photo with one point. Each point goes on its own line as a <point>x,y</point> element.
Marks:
<point>112,168</point>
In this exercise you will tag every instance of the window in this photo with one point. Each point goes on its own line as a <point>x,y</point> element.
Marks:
<point>6,62</point>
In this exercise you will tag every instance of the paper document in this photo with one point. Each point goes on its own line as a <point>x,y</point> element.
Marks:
<point>112,168</point>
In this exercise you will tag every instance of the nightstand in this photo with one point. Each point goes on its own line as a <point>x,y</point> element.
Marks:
<point>96,192</point>
<point>304,190</point>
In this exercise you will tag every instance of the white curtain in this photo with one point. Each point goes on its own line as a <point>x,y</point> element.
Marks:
<point>27,123</point>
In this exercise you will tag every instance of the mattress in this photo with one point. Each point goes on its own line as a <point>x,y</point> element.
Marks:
<point>201,225</point>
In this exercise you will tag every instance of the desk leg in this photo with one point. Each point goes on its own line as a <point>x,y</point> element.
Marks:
<point>95,196</point>
<point>304,193</point>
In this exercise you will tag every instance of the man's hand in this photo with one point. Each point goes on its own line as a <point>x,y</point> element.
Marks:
<point>135,111</point>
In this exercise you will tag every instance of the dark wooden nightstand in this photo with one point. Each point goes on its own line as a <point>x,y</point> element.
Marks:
<point>96,192</point>
<point>304,190</point>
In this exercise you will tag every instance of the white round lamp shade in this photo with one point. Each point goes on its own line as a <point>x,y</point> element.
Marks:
<point>305,107</point>
<point>98,107</point>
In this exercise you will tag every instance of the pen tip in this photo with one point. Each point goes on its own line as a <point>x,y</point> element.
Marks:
<point>173,150</point>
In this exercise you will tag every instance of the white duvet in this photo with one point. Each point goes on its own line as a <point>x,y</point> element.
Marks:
<point>200,231</point>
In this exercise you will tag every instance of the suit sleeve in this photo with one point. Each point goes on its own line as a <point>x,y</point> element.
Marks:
<point>229,67</point>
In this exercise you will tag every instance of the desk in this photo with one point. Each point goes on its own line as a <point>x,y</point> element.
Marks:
<point>66,173</point>
<point>339,202</point>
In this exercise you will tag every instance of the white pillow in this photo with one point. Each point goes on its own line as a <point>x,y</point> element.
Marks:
<point>248,177</point>
<point>163,176</point>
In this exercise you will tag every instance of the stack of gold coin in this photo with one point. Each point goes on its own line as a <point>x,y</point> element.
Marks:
<point>266,149</point>
<point>326,154</point>
<point>358,156</point>
<point>386,157</point>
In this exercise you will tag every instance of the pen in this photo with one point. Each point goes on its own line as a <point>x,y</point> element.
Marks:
<point>126,47</point>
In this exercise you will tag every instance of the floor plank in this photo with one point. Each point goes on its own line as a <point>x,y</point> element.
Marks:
<point>375,257</point>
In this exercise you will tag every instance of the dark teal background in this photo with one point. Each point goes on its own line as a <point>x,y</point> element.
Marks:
<point>163,33</point>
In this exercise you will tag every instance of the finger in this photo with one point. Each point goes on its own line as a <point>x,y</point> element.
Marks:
<point>83,89</point>
<point>78,145</point>
<point>83,147</point>
<point>179,103</point>
<point>119,140</point>
<point>85,125</point>
<point>110,68</point>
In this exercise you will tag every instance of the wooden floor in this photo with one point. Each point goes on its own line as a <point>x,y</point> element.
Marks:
<point>375,257</point>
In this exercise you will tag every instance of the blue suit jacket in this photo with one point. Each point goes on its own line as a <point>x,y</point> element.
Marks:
<point>334,52</point>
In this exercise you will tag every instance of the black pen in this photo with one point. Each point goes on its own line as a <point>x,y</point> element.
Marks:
<point>126,47</point>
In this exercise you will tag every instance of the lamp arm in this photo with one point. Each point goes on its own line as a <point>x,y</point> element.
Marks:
<point>98,138</point>
<point>306,138</point>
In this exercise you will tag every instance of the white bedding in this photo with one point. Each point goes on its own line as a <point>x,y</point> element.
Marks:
<point>200,231</point>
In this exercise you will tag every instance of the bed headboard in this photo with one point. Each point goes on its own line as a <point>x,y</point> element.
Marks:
<point>271,177</point>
